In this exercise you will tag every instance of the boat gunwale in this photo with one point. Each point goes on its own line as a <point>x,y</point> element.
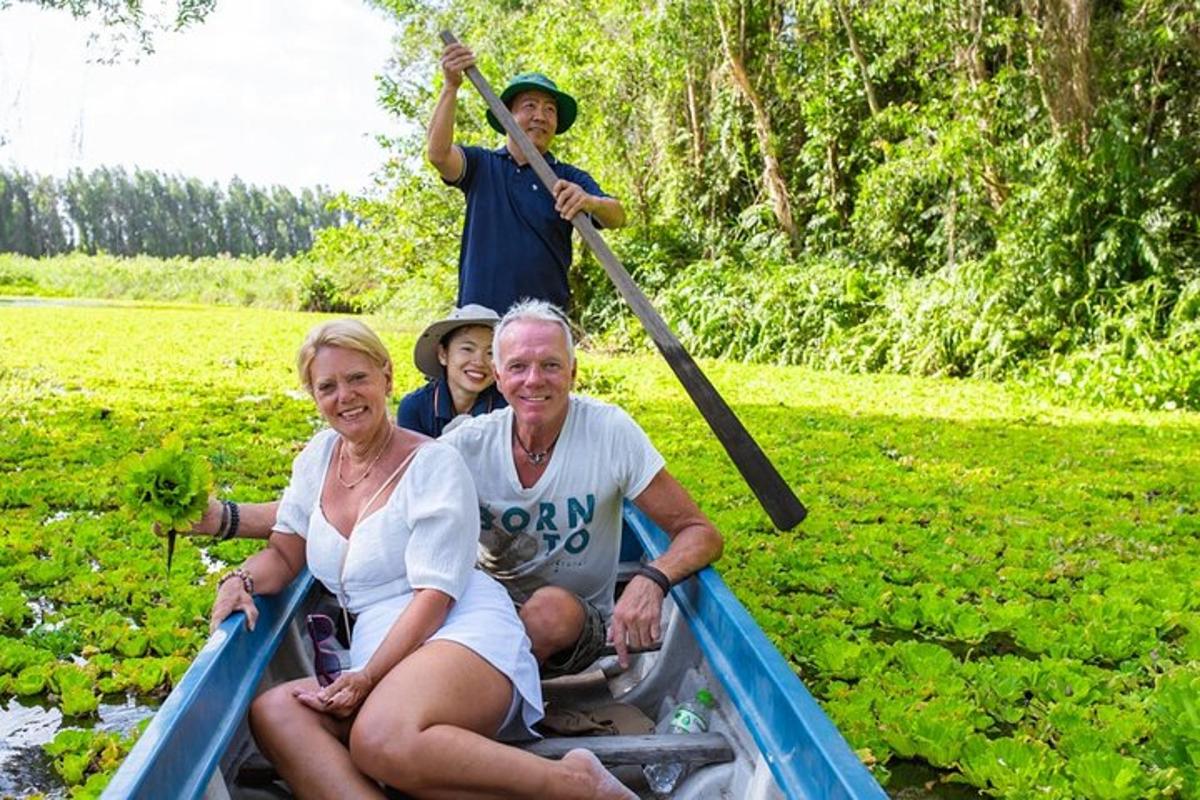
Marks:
<point>771,699</point>
<point>233,655</point>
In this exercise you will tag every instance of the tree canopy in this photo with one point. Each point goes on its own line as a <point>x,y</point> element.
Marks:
<point>979,187</point>
<point>129,20</point>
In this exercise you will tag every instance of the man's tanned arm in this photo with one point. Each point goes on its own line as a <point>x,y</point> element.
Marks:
<point>439,144</point>
<point>695,543</point>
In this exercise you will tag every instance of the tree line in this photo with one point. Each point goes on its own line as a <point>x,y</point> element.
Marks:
<point>151,213</point>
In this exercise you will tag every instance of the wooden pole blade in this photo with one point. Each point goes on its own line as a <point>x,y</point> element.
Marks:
<point>776,497</point>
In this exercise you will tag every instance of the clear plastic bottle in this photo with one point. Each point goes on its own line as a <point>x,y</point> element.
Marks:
<point>688,717</point>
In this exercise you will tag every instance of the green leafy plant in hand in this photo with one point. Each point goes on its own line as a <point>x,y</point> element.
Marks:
<point>168,487</point>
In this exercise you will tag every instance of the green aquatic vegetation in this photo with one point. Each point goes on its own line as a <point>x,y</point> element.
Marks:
<point>1014,766</point>
<point>168,487</point>
<point>14,612</point>
<point>85,759</point>
<point>31,680</point>
<point>1109,776</point>
<point>1174,708</point>
<point>74,686</point>
<point>976,566</point>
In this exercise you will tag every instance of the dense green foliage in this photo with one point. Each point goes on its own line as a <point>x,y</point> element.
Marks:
<point>151,213</point>
<point>1000,588</point>
<point>991,188</point>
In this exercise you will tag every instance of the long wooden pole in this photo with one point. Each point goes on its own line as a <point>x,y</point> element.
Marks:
<point>777,498</point>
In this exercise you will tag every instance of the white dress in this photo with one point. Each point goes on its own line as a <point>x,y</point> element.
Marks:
<point>424,537</point>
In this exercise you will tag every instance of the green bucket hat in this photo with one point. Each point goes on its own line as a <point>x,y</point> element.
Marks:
<point>536,80</point>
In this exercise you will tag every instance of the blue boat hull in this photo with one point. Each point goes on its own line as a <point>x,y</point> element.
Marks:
<point>187,744</point>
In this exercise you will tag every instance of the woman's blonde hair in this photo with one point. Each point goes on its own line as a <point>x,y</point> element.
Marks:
<point>348,333</point>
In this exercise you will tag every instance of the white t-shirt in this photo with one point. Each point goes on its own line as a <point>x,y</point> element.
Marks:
<point>565,530</point>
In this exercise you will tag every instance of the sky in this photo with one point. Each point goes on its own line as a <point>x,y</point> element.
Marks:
<point>273,91</point>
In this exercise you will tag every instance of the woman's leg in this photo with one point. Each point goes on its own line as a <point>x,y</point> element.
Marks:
<point>426,729</point>
<point>307,747</point>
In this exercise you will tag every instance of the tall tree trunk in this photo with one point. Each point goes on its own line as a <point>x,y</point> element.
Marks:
<point>694,125</point>
<point>836,190</point>
<point>969,59</point>
<point>868,87</point>
<point>1061,57</point>
<point>773,181</point>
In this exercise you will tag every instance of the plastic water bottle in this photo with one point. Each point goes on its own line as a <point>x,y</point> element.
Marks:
<point>688,717</point>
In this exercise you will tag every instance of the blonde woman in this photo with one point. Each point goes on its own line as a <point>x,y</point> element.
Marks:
<point>440,664</point>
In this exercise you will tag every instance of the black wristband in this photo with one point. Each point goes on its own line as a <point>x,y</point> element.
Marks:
<point>234,520</point>
<point>657,575</point>
<point>224,526</point>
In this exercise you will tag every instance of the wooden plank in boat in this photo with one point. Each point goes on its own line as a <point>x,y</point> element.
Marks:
<point>689,748</point>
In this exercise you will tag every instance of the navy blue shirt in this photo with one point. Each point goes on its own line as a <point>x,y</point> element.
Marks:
<point>429,409</point>
<point>514,244</point>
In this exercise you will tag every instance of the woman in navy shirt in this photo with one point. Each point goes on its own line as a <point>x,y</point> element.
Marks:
<point>455,353</point>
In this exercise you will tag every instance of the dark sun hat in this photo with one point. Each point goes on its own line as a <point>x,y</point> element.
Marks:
<point>425,353</point>
<point>536,80</point>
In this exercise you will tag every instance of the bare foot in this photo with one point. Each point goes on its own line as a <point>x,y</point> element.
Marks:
<point>604,783</point>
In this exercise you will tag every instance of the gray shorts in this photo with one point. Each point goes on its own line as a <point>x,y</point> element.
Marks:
<point>586,649</point>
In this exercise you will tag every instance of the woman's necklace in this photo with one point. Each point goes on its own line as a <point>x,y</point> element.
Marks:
<point>539,456</point>
<point>371,466</point>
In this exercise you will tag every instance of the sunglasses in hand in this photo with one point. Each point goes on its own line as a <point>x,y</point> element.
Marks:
<point>326,658</point>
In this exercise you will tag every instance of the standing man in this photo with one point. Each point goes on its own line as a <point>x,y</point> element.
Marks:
<point>516,239</point>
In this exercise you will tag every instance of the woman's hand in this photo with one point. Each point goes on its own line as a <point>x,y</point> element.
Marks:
<point>209,523</point>
<point>342,697</point>
<point>232,596</point>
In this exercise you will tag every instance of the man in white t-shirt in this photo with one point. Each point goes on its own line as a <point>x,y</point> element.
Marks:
<point>551,472</point>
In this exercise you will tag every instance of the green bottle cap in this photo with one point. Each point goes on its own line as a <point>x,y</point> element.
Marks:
<point>704,697</point>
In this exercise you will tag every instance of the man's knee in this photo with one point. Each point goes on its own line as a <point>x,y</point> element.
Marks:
<point>553,619</point>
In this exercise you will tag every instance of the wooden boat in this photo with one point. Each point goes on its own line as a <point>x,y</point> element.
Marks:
<point>768,738</point>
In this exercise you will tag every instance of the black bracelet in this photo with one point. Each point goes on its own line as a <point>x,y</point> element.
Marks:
<point>234,520</point>
<point>657,575</point>
<point>224,526</point>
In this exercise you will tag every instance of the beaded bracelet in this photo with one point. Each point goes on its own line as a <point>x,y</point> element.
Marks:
<point>657,575</point>
<point>246,578</point>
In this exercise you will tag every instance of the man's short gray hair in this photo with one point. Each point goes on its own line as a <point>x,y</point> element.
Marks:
<point>537,311</point>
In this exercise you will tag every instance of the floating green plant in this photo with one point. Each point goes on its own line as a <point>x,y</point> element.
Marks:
<point>168,487</point>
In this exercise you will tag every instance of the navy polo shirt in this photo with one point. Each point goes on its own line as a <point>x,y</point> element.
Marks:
<point>429,409</point>
<point>514,244</point>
